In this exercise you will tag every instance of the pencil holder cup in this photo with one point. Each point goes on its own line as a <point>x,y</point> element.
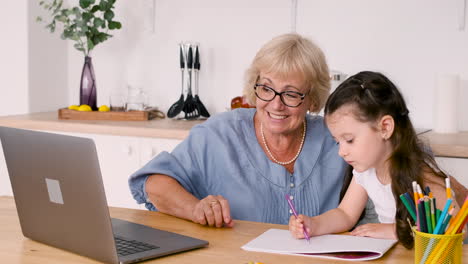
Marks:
<point>430,248</point>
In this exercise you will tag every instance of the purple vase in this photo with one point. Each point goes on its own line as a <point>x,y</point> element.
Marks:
<point>88,84</point>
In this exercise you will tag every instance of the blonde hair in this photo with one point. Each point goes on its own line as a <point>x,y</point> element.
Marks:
<point>287,54</point>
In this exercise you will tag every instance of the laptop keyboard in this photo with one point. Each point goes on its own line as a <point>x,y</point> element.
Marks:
<point>127,247</point>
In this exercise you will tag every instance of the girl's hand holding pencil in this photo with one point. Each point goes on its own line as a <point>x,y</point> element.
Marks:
<point>297,225</point>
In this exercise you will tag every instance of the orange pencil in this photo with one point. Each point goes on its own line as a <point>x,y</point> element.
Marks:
<point>453,223</point>
<point>458,223</point>
<point>448,189</point>
<point>421,196</point>
<point>460,229</point>
<point>415,194</point>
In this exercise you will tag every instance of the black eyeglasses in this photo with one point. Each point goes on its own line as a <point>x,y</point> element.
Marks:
<point>289,98</point>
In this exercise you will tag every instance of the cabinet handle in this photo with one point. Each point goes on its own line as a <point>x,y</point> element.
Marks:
<point>150,153</point>
<point>127,149</point>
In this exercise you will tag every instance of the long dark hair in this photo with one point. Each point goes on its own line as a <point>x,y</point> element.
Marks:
<point>374,96</point>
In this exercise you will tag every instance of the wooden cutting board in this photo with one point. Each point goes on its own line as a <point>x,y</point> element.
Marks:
<point>69,114</point>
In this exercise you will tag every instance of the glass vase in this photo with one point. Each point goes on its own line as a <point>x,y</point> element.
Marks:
<point>88,84</point>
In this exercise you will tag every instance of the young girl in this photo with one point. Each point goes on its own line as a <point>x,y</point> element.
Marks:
<point>368,118</point>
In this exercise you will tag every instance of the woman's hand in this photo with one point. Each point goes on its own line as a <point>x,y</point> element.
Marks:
<point>213,211</point>
<point>296,225</point>
<point>376,230</point>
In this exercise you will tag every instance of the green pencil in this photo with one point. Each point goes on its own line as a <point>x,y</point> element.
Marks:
<point>428,215</point>
<point>431,204</point>
<point>408,207</point>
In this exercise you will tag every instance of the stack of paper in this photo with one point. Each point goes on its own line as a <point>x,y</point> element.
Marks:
<point>343,247</point>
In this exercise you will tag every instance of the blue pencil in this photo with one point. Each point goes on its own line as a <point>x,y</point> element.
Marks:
<point>422,217</point>
<point>446,221</point>
<point>442,216</point>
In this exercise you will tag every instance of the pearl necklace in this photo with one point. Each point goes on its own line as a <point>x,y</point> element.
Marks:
<point>271,155</point>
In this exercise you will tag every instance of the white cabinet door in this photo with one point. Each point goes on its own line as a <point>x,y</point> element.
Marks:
<point>456,167</point>
<point>150,147</point>
<point>5,186</point>
<point>119,157</point>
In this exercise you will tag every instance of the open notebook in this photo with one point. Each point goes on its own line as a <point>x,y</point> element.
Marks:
<point>343,247</point>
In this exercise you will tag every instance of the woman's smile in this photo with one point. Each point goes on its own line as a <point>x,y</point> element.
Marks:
<point>277,117</point>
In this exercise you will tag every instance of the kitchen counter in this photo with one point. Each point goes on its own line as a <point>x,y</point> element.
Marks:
<point>453,145</point>
<point>157,128</point>
<point>443,145</point>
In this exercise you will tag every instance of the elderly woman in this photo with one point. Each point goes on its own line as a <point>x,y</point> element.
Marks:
<point>241,164</point>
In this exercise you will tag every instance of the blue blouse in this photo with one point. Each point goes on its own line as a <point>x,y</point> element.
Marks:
<point>222,156</point>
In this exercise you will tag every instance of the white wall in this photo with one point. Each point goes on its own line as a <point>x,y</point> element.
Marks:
<point>229,33</point>
<point>14,61</point>
<point>410,41</point>
<point>33,66</point>
<point>47,60</point>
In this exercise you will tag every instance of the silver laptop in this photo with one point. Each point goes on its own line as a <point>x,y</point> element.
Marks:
<point>59,195</point>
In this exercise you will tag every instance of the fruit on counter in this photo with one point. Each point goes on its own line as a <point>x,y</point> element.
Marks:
<point>103,108</point>
<point>84,108</point>
<point>240,102</point>
<point>73,107</point>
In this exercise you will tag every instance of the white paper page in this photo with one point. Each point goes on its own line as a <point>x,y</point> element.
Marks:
<point>281,241</point>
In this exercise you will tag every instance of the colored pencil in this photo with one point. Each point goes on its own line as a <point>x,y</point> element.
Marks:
<point>427,211</point>
<point>458,216</point>
<point>442,216</point>
<point>415,194</point>
<point>410,201</point>
<point>422,216</point>
<point>446,221</point>
<point>408,206</point>
<point>448,189</point>
<point>431,205</point>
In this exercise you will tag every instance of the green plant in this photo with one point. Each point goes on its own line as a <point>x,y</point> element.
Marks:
<point>86,24</point>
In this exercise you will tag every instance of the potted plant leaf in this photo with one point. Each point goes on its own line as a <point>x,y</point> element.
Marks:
<point>87,25</point>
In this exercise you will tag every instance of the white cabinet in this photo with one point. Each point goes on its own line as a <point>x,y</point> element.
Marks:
<point>5,187</point>
<point>119,157</point>
<point>150,147</point>
<point>457,167</point>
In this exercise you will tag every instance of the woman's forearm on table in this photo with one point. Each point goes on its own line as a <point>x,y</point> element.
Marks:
<point>169,197</point>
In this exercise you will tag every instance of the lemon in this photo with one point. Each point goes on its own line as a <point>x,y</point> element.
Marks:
<point>73,107</point>
<point>104,108</point>
<point>85,108</point>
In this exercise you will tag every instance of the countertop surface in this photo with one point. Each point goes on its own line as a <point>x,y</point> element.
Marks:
<point>157,128</point>
<point>447,145</point>
<point>443,145</point>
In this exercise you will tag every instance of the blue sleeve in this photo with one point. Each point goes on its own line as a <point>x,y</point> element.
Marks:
<point>182,164</point>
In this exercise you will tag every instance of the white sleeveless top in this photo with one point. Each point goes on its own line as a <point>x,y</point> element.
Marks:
<point>381,195</point>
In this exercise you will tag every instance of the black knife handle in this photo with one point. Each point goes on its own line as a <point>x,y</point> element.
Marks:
<point>182,66</point>
<point>190,58</point>
<point>196,64</point>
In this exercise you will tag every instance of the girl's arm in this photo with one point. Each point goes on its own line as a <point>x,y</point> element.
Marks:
<point>336,220</point>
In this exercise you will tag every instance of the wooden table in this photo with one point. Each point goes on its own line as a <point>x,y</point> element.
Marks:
<point>224,244</point>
